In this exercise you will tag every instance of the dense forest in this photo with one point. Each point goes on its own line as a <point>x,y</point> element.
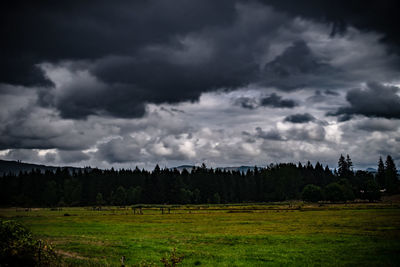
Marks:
<point>277,182</point>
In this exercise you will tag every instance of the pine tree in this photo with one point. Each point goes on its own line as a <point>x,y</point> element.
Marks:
<point>342,167</point>
<point>380,175</point>
<point>349,165</point>
<point>391,179</point>
<point>99,199</point>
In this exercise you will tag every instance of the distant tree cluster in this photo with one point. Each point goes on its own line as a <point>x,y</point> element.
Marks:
<point>386,176</point>
<point>277,182</point>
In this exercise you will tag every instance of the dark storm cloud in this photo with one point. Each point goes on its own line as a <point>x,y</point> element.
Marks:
<point>299,118</point>
<point>150,52</point>
<point>273,101</point>
<point>276,101</point>
<point>138,52</point>
<point>152,78</point>
<point>330,92</point>
<point>298,67</point>
<point>370,15</point>
<point>129,46</point>
<point>376,100</point>
<point>52,31</point>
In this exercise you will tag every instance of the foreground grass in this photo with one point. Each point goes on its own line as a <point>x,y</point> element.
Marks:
<point>223,235</point>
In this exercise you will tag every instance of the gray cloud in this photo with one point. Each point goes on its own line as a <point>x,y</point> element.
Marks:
<point>376,100</point>
<point>26,155</point>
<point>121,150</point>
<point>116,28</point>
<point>247,102</point>
<point>368,16</point>
<point>156,54</point>
<point>300,118</point>
<point>316,133</point>
<point>380,125</point>
<point>276,101</point>
<point>141,82</point>
<point>273,101</point>
<point>330,92</point>
<point>270,135</point>
<point>72,156</point>
<point>298,67</point>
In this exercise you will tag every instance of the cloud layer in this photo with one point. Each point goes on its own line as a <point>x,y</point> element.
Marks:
<point>138,83</point>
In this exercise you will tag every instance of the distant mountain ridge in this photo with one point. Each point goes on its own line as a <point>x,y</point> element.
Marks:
<point>15,167</point>
<point>371,170</point>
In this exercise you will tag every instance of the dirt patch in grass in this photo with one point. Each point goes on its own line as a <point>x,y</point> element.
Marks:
<point>70,240</point>
<point>70,255</point>
<point>394,198</point>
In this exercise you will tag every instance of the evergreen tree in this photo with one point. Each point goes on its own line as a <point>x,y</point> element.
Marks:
<point>216,198</point>
<point>342,167</point>
<point>50,193</point>
<point>99,199</point>
<point>371,191</point>
<point>277,182</point>
<point>380,175</point>
<point>133,195</point>
<point>349,165</point>
<point>119,196</point>
<point>196,196</point>
<point>391,179</point>
<point>76,194</point>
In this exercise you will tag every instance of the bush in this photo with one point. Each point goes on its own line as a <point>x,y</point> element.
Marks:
<point>348,193</point>
<point>172,260</point>
<point>338,192</point>
<point>19,248</point>
<point>311,193</point>
<point>371,191</point>
<point>334,192</point>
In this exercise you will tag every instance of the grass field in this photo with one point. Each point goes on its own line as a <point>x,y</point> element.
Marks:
<point>236,235</point>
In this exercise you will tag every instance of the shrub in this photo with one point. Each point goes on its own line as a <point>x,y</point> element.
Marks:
<point>338,192</point>
<point>334,192</point>
<point>311,193</point>
<point>371,191</point>
<point>19,248</point>
<point>172,260</point>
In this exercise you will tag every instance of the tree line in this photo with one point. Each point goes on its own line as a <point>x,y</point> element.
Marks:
<point>277,182</point>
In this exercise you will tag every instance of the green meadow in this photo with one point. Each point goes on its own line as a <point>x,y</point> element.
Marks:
<point>217,235</point>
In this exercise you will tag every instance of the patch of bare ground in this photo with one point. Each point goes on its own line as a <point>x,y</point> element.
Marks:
<point>393,198</point>
<point>71,255</point>
<point>87,242</point>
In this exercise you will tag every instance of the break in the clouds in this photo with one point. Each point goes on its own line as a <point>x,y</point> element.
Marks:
<point>223,82</point>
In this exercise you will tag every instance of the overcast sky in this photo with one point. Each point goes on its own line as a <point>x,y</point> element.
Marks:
<point>228,83</point>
